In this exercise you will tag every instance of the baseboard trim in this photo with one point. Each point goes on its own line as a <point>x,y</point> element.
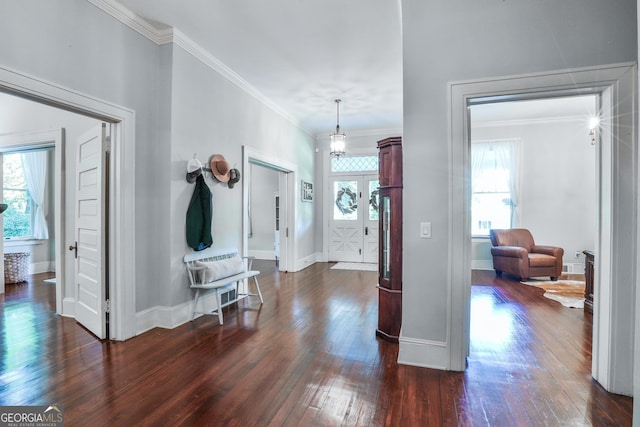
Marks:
<point>172,317</point>
<point>266,255</point>
<point>163,317</point>
<point>40,267</point>
<point>69,307</point>
<point>482,264</point>
<point>423,353</point>
<point>305,262</point>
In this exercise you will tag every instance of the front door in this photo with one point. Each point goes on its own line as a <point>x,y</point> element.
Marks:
<point>353,225</point>
<point>89,231</point>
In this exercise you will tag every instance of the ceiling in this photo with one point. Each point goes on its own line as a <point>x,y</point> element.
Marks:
<point>302,54</point>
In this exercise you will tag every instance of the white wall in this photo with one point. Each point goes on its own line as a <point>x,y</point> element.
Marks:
<point>210,115</point>
<point>558,182</point>
<point>452,41</point>
<point>181,107</point>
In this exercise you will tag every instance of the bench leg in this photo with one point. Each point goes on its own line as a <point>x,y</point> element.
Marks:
<point>255,280</point>
<point>195,304</point>
<point>219,299</point>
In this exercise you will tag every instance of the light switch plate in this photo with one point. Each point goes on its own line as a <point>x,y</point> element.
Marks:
<point>425,230</point>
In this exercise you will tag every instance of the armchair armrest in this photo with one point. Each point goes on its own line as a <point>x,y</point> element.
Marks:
<point>548,250</point>
<point>510,251</point>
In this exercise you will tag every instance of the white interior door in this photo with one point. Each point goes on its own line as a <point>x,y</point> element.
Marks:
<point>353,228</point>
<point>89,231</point>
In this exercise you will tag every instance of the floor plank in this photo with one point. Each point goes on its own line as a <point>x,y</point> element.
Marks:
<point>308,356</point>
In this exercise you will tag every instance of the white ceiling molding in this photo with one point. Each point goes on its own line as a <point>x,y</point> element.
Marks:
<point>173,35</point>
<point>134,21</point>
<point>215,64</point>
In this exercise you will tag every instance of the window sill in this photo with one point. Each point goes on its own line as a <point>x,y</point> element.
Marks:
<point>21,242</point>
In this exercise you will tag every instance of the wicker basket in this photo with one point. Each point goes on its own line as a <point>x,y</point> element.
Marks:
<point>16,267</point>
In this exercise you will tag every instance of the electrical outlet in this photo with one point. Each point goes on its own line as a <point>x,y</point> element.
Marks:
<point>578,253</point>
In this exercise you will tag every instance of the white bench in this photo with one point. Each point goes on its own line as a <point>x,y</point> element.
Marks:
<point>220,271</point>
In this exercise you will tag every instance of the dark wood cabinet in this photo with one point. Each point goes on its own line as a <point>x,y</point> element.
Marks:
<point>390,239</point>
<point>589,259</point>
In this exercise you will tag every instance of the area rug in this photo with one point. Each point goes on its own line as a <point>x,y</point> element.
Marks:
<point>569,293</point>
<point>363,266</point>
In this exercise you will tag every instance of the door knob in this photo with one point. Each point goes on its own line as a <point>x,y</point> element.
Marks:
<point>74,248</point>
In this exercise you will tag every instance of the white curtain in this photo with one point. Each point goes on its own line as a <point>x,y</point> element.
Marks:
<point>34,165</point>
<point>498,155</point>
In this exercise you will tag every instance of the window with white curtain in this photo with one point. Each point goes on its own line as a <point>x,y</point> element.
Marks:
<point>24,182</point>
<point>495,185</point>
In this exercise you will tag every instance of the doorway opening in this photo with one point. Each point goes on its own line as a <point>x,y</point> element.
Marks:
<point>616,219</point>
<point>351,209</point>
<point>286,178</point>
<point>122,182</point>
<point>264,212</point>
<point>533,166</point>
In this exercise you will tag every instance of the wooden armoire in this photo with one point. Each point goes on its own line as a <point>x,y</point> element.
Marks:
<point>390,239</point>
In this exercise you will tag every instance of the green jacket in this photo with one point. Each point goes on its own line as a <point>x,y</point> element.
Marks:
<point>199,217</point>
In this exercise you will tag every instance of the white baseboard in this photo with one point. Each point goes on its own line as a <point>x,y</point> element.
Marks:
<point>172,317</point>
<point>41,267</point>
<point>69,307</point>
<point>266,255</point>
<point>423,353</point>
<point>163,317</point>
<point>482,264</point>
<point>305,262</point>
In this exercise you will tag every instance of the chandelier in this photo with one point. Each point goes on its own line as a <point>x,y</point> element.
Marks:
<point>338,139</point>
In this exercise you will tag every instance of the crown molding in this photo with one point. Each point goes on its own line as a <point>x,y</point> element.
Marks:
<point>175,36</point>
<point>218,66</point>
<point>133,21</point>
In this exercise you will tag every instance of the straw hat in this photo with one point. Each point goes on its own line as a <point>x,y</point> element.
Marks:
<point>219,168</point>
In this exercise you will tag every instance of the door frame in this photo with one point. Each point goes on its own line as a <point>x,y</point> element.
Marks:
<point>326,180</point>
<point>287,181</point>
<point>122,260</point>
<point>608,368</point>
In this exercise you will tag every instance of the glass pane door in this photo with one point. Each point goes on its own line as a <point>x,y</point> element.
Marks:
<point>345,194</point>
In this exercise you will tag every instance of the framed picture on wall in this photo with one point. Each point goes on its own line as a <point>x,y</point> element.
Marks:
<point>307,191</point>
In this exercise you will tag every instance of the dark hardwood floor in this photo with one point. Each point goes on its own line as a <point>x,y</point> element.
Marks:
<point>308,356</point>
